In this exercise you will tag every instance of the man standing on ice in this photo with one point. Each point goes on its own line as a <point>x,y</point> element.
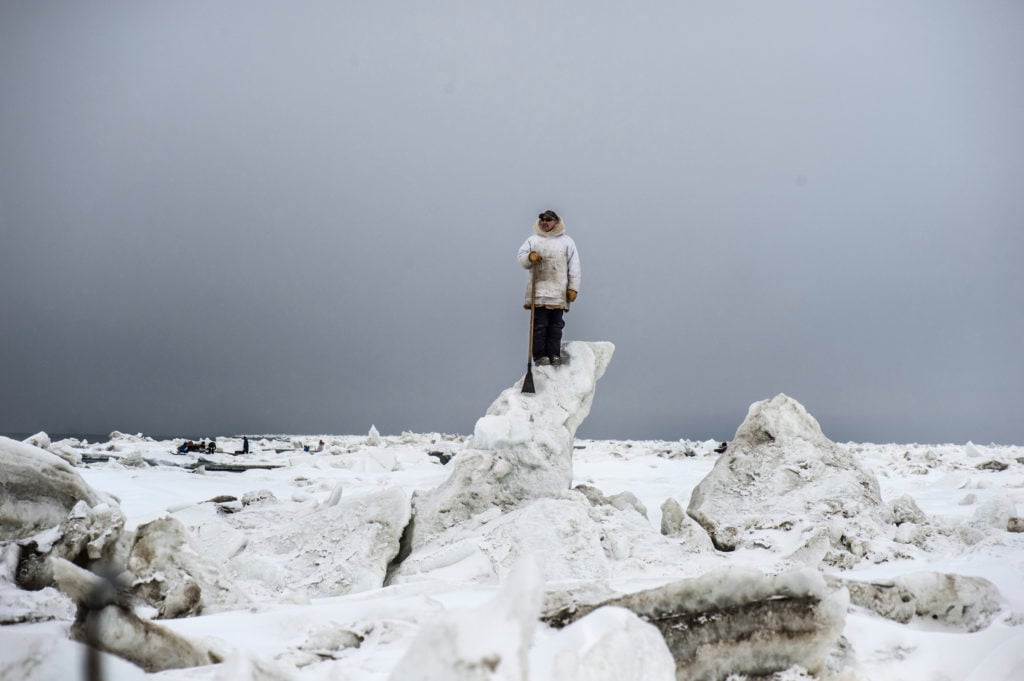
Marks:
<point>553,253</point>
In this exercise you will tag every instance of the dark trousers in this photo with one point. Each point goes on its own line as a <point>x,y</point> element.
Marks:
<point>547,332</point>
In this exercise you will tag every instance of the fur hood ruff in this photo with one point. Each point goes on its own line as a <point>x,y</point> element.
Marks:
<point>559,228</point>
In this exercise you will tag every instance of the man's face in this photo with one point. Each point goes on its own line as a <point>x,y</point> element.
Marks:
<point>547,224</point>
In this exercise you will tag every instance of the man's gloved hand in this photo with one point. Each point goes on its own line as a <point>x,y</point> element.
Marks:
<point>534,257</point>
<point>571,295</point>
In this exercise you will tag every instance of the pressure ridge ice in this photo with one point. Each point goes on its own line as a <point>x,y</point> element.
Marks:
<point>508,518</point>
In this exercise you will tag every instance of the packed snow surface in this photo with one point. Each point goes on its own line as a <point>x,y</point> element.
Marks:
<point>301,577</point>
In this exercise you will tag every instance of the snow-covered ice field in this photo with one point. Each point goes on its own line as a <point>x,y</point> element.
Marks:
<point>434,556</point>
<point>276,632</point>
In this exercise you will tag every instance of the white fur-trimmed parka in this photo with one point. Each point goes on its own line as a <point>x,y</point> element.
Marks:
<point>559,268</point>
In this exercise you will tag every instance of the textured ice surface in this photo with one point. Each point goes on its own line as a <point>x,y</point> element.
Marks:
<point>37,490</point>
<point>967,603</point>
<point>521,448</point>
<point>780,473</point>
<point>738,621</point>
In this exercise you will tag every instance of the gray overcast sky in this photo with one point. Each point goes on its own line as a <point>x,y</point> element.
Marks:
<point>225,217</point>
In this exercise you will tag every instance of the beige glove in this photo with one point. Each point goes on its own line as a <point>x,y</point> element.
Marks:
<point>534,257</point>
<point>571,295</point>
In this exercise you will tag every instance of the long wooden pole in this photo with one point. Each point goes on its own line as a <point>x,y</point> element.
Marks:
<point>528,379</point>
